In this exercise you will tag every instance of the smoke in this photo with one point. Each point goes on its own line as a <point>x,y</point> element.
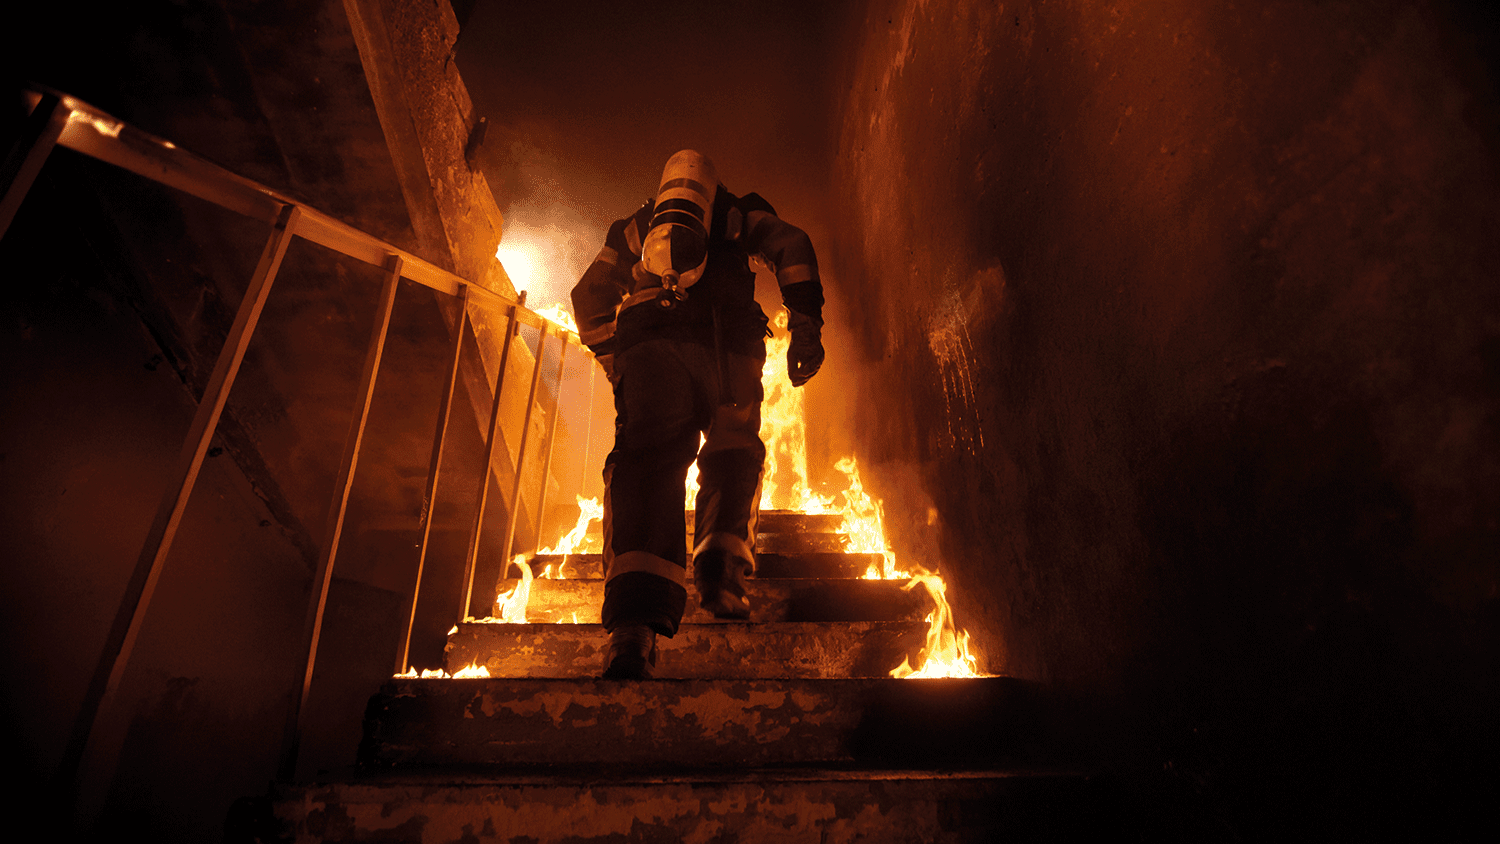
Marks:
<point>551,233</point>
<point>586,101</point>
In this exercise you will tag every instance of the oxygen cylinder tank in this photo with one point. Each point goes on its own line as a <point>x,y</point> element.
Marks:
<point>676,245</point>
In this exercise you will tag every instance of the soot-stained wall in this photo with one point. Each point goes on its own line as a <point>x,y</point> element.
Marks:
<point>1185,319</point>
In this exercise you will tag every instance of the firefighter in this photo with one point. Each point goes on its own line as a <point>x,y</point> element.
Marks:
<point>668,307</point>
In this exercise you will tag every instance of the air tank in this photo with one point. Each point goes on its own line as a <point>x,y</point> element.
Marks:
<point>676,246</point>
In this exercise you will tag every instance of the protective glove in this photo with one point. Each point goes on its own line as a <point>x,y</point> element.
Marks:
<point>805,354</point>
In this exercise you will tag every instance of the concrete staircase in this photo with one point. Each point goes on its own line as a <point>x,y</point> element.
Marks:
<point>784,728</point>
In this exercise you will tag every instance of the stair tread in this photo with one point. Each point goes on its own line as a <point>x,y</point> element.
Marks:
<point>790,566</point>
<point>461,776</point>
<point>723,649</point>
<point>871,722</point>
<point>772,600</point>
<point>804,805</point>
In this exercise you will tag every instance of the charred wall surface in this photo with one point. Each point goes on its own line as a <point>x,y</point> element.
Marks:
<point>1186,319</point>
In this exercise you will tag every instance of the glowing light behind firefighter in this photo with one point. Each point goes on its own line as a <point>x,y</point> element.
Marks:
<point>545,259</point>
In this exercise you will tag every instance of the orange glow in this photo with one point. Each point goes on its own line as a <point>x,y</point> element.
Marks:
<point>108,128</point>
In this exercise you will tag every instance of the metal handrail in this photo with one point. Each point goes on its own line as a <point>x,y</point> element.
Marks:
<point>97,134</point>
<point>60,119</point>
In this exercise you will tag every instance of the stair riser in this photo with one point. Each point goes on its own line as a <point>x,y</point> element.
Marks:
<point>578,601</point>
<point>802,565</point>
<point>801,543</point>
<point>785,543</point>
<point>725,724</point>
<point>945,810</point>
<point>786,521</point>
<point>722,650</point>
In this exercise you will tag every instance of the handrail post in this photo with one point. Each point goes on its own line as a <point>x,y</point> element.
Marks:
<point>588,435</point>
<point>25,159</point>
<point>323,576</point>
<point>541,498</point>
<point>515,493</point>
<point>429,496</point>
<point>142,585</point>
<point>471,561</point>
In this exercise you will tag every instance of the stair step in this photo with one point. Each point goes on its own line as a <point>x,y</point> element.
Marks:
<point>725,649</point>
<point>789,807</point>
<point>790,521</point>
<point>801,543</point>
<point>578,601</point>
<point>818,564</point>
<point>725,724</point>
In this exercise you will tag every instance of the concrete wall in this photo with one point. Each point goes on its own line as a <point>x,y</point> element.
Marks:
<point>1184,320</point>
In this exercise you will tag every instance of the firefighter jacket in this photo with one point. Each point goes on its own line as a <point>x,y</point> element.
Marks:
<point>615,310</point>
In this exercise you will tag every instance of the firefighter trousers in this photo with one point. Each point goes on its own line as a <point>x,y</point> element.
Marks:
<point>667,392</point>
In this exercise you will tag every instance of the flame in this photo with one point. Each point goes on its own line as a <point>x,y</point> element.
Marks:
<point>578,539</point>
<point>557,316</point>
<point>691,500</point>
<point>864,524</point>
<point>511,606</point>
<point>785,485</point>
<point>470,670</point>
<point>783,429</point>
<point>946,653</point>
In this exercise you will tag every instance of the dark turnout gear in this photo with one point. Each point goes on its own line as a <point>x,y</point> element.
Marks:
<point>631,654</point>
<point>685,340</point>
<point>720,578</point>
<point>805,354</point>
<point>666,393</point>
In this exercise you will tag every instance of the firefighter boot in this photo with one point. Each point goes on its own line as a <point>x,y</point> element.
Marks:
<point>720,578</point>
<point>631,654</point>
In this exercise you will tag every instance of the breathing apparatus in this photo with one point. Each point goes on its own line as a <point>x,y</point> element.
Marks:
<point>675,249</point>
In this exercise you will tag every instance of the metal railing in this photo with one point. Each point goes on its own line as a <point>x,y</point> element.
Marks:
<point>60,119</point>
